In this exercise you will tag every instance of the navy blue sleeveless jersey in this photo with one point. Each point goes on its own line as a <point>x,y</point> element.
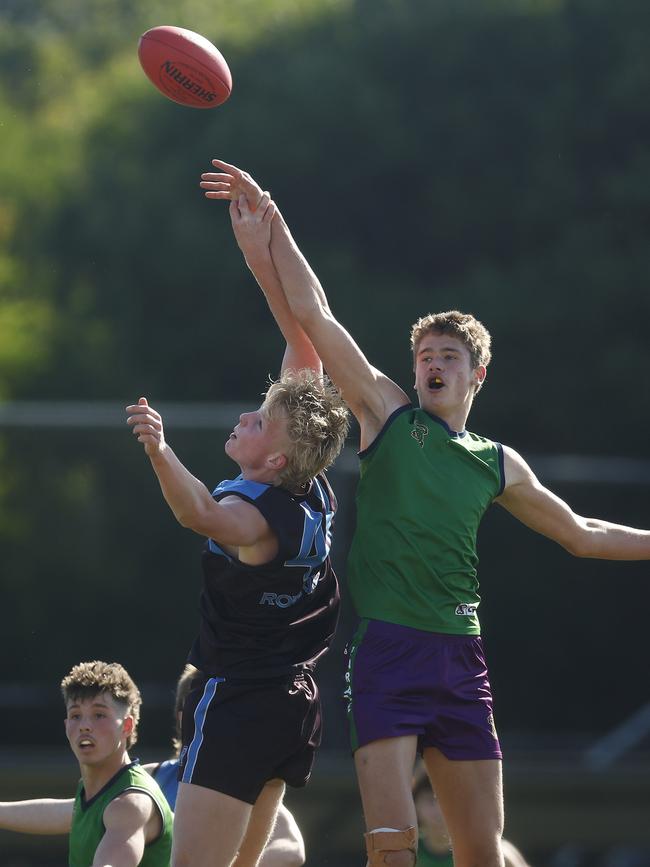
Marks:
<point>269,620</point>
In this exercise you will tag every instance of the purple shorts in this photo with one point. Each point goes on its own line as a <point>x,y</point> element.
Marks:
<point>404,681</point>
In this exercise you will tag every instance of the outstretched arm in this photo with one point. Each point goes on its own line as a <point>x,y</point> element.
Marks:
<point>371,395</point>
<point>41,816</point>
<point>543,511</point>
<point>230,522</point>
<point>252,230</point>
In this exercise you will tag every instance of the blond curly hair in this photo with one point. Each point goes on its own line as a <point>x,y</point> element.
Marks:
<point>317,423</point>
<point>89,679</point>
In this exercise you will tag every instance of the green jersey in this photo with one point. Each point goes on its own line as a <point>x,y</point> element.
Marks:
<point>88,818</point>
<point>422,493</point>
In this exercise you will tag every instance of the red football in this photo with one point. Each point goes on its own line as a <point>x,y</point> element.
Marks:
<point>185,66</point>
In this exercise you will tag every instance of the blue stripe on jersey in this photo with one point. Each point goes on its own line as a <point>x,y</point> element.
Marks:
<point>199,720</point>
<point>249,489</point>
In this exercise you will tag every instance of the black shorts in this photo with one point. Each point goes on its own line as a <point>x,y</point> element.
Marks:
<point>237,736</point>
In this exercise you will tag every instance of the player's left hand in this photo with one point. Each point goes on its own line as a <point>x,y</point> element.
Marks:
<point>147,426</point>
<point>231,183</point>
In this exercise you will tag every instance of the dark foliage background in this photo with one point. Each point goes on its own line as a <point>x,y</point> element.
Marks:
<point>491,157</point>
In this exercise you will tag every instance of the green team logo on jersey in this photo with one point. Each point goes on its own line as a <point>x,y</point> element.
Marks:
<point>419,432</point>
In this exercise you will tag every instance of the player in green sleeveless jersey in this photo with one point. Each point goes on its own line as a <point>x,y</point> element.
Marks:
<point>119,815</point>
<point>91,818</point>
<point>430,472</point>
<point>418,679</point>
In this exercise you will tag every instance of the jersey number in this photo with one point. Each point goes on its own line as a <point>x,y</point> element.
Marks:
<point>314,548</point>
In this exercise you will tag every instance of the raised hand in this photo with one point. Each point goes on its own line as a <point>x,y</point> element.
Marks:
<point>147,426</point>
<point>252,228</point>
<point>231,183</point>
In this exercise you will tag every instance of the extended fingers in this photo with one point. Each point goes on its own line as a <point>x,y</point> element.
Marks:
<point>216,182</point>
<point>218,186</point>
<point>227,167</point>
<point>229,174</point>
<point>217,190</point>
<point>214,178</point>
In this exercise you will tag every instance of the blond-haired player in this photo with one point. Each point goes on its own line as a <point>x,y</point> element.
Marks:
<point>269,604</point>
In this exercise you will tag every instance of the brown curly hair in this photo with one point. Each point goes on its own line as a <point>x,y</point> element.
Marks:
<point>89,679</point>
<point>464,326</point>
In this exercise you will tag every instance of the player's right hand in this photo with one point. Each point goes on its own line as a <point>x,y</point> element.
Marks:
<point>147,426</point>
<point>231,183</point>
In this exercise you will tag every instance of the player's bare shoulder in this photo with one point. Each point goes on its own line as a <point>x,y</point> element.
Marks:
<point>516,471</point>
<point>377,404</point>
<point>131,811</point>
